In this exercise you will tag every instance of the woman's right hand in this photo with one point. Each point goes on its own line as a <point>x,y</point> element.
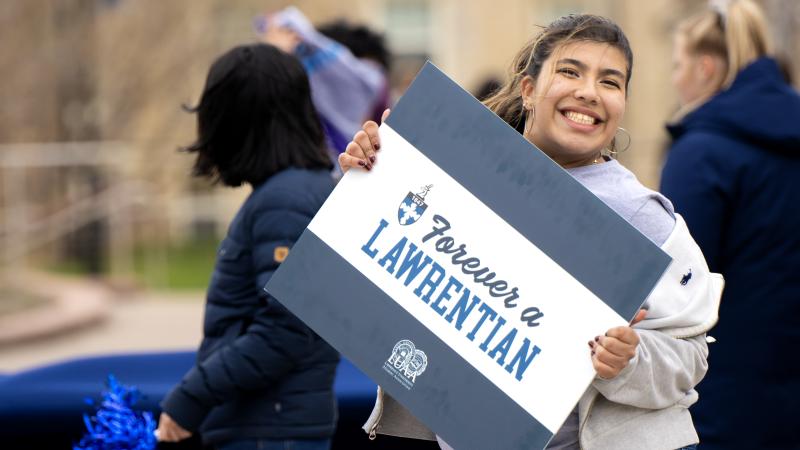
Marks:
<point>612,352</point>
<point>361,151</point>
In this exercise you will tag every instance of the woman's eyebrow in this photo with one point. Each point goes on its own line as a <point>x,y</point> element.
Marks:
<point>573,62</point>
<point>612,72</point>
<point>580,65</point>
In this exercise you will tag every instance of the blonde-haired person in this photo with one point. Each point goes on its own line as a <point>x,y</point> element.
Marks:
<point>567,94</point>
<point>733,171</point>
<point>710,48</point>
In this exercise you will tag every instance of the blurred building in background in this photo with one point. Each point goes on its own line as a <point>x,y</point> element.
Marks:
<point>91,115</point>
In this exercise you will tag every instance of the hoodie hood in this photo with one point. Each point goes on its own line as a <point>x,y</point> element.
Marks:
<point>685,302</point>
<point>759,108</point>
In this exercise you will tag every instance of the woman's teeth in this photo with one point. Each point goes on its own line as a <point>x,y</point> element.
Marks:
<point>579,118</point>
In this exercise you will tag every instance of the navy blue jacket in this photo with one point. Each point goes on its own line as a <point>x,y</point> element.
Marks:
<point>260,372</point>
<point>733,172</point>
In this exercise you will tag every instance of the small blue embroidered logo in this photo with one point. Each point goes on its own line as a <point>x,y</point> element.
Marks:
<point>686,278</point>
<point>413,206</point>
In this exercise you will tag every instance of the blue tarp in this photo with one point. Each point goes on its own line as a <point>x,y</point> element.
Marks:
<point>45,405</point>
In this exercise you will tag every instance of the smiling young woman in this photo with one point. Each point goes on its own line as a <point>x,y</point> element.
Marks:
<point>573,113</point>
<point>566,93</point>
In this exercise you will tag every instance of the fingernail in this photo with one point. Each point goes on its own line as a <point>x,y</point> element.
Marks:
<point>361,163</point>
<point>591,344</point>
<point>369,166</point>
<point>372,159</point>
<point>592,352</point>
<point>377,146</point>
<point>597,338</point>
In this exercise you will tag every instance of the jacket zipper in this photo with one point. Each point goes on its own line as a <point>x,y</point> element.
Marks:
<point>373,430</point>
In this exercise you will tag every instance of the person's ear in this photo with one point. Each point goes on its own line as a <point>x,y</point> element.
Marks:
<point>528,91</point>
<point>707,67</point>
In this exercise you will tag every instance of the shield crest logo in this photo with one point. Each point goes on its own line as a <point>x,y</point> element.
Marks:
<point>413,206</point>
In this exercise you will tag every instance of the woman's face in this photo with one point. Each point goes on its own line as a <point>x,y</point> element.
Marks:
<point>687,73</point>
<point>578,101</point>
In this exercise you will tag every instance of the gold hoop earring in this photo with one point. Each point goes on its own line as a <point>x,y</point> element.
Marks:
<point>612,149</point>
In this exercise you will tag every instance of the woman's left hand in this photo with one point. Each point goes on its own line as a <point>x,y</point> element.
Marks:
<point>612,353</point>
<point>170,431</point>
<point>283,38</point>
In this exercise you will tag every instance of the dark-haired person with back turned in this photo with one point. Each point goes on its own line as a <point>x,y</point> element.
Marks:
<point>262,379</point>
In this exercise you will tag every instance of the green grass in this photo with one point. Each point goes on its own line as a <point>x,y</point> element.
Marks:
<point>177,267</point>
<point>184,267</point>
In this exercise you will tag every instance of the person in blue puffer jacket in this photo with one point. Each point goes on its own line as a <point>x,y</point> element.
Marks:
<point>733,172</point>
<point>262,377</point>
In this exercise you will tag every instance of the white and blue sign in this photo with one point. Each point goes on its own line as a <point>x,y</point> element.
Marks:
<point>472,301</point>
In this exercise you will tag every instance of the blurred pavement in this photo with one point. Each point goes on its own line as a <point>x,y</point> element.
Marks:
<point>141,322</point>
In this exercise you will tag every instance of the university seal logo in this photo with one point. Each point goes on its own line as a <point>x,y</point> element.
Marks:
<point>412,207</point>
<point>406,363</point>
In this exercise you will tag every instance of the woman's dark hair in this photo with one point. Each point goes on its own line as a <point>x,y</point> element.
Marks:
<point>255,118</point>
<point>507,101</point>
<point>360,40</point>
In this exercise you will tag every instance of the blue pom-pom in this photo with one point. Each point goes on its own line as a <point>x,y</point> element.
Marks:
<point>116,426</point>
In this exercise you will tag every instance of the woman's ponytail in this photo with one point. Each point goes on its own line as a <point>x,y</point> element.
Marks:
<point>746,36</point>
